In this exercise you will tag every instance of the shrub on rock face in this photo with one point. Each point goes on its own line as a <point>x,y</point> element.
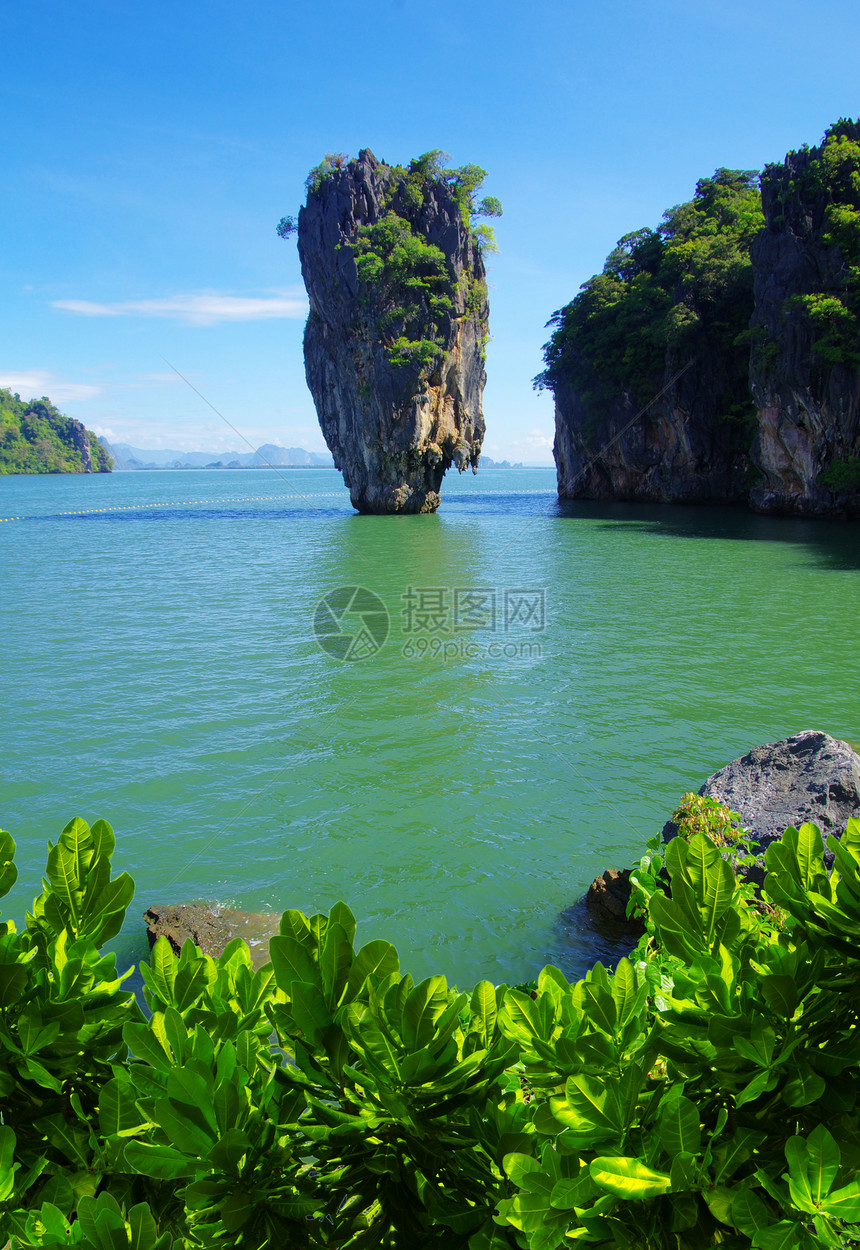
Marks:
<point>705,1093</point>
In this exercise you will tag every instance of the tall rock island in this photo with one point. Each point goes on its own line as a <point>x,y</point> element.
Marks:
<point>717,358</point>
<point>394,343</point>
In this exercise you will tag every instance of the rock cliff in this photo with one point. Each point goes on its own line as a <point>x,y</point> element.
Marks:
<point>805,366</point>
<point>394,343</point>
<point>682,449</point>
<point>760,298</point>
<point>651,395</point>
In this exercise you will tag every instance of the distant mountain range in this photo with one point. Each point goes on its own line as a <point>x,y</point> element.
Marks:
<point>126,457</point>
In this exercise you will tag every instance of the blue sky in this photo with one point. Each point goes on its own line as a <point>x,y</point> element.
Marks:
<point>150,149</point>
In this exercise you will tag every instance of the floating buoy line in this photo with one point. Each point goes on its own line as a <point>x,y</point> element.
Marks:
<point>190,503</point>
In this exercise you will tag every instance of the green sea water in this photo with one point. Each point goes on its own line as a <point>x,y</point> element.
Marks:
<point>553,679</point>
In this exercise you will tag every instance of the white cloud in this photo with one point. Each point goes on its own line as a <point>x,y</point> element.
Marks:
<point>205,308</point>
<point>33,383</point>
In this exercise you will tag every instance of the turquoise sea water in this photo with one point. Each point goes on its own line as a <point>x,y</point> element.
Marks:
<point>462,786</point>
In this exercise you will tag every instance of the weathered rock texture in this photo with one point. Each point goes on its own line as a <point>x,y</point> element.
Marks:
<point>393,430</point>
<point>212,928</point>
<point>808,408</point>
<point>681,450</point>
<point>608,896</point>
<point>807,777</point>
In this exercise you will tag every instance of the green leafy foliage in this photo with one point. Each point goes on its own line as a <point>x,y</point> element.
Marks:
<point>823,184</point>
<point>704,1093</point>
<point>407,287</point>
<point>35,437</point>
<point>687,283</point>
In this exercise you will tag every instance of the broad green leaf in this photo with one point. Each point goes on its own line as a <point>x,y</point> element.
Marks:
<point>520,1018</point>
<point>483,1011</point>
<point>162,963</point>
<point>378,959</point>
<point>62,870</point>
<point>148,1045</point>
<point>8,871</point>
<point>335,961</point>
<point>719,1202</point>
<point>118,1108</point>
<point>683,1172</point>
<point>749,1213</point>
<point>844,1203</point>
<point>600,1008</point>
<point>292,960</point>
<point>576,1192</point>
<point>786,1235</point>
<point>341,914</point>
<point>191,981</point>
<point>142,1227</point>
<point>310,1012</point>
<point>161,1162</point>
<point>13,978</point>
<point>805,1087</point>
<point>679,1126</point>
<point>780,994</point>
<point>628,1178</point>
<point>423,1008</point>
<point>759,1046</point>
<point>8,1166</point>
<point>799,1182</point>
<point>809,851</point>
<point>518,1165</point>
<point>625,992</point>
<point>824,1159</point>
<point>678,933</point>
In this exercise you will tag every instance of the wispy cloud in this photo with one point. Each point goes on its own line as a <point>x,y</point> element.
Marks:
<point>204,308</point>
<point>32,383</point>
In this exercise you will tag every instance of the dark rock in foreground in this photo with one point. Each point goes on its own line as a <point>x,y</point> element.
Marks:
<point>394,360</point>
<point>212,928</point>
<point>807,777</point>
<point>608,896</point>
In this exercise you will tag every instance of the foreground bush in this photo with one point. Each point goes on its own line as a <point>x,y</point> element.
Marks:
<point>703,1094</point>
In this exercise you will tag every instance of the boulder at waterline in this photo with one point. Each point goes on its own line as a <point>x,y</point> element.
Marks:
<point>212,928</point>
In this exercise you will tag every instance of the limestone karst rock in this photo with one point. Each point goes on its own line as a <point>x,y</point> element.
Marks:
<point>760,298</point>
<point>805,361</point>
<point>394,343</point>
<point>651,395</point>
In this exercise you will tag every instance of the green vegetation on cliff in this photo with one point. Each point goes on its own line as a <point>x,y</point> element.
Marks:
<point>827,180</point>
<point>665,292</point>
<point>704,1093</point>
<point>35,437</point>
<point>404,278</point>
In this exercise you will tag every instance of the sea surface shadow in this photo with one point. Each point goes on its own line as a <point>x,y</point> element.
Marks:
<point>831,544</point>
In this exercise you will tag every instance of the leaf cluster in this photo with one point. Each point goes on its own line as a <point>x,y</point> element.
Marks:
<point>704,1093</point>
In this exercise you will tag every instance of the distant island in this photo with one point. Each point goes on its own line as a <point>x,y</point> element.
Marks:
<point>35,437</point>
<point>126,457</point>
